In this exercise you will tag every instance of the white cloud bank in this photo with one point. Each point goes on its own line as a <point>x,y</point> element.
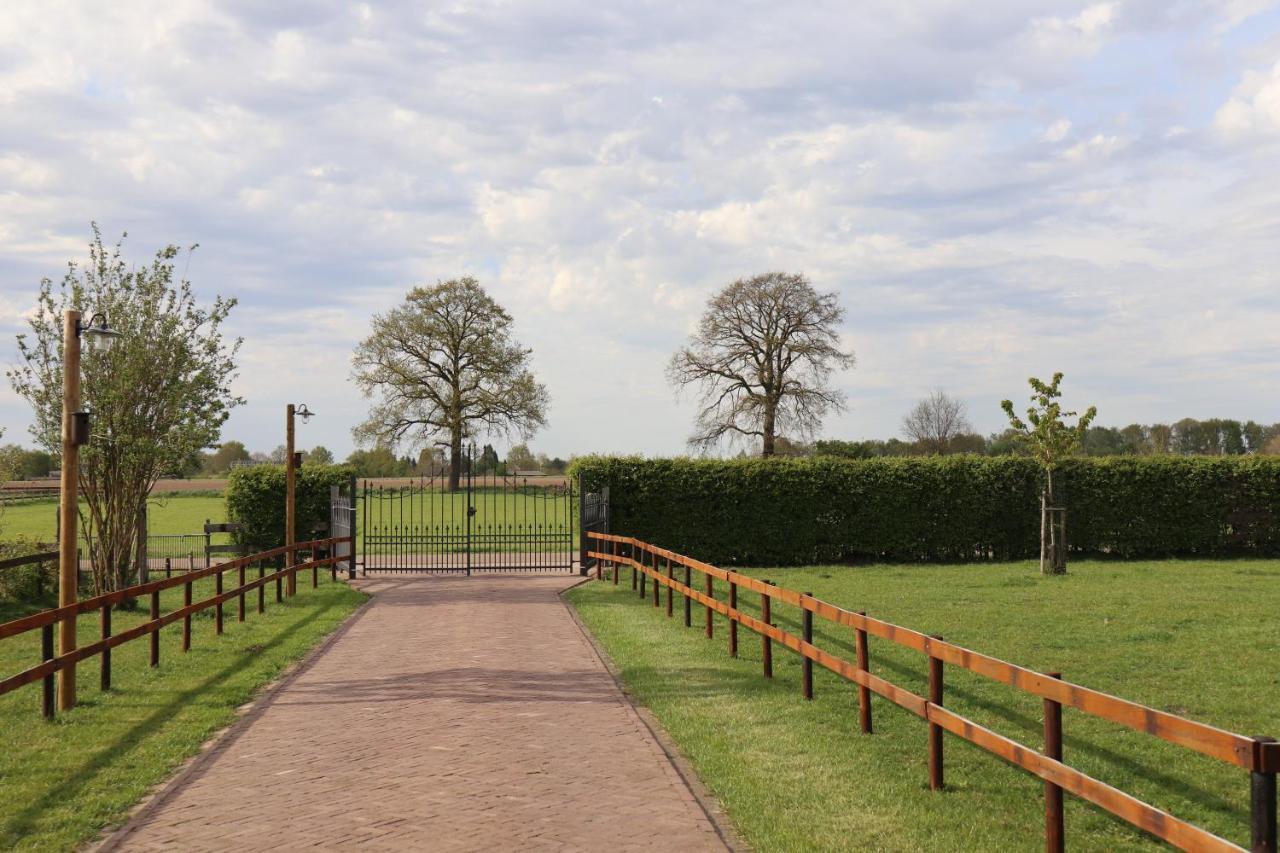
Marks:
<point>1035,188</point>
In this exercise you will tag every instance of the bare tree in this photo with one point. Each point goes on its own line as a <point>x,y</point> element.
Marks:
<point>761,359</point>
<point>444,367</point>
<point>936,421</point>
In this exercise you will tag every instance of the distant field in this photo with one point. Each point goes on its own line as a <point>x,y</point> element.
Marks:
<point>174,513</point>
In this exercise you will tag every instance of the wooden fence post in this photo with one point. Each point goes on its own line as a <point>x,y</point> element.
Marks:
<point>155,632</point>
<point>710,589</point>
<point>613,552</point>
<point>638,556</point>
<point>688,601</point>
<point>262,588</point>
<point>1262,802</point>
<point>671,591</point>
<point>217,608</point>
<point>104,669</point>
<point>186,620</point>
<point>279,579</point>
<point>1054,839</point>
<point>240,600</point>
<point>766,646</point>
<point>806,681</point>
<point>733,623</point>
<point>864,693</point>
<point>657,587</point>
<point>47,704</point>
<point>635,575</point>
<point>935,730</point>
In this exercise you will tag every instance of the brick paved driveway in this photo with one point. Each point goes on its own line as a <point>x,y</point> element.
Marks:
<point>452,714</point>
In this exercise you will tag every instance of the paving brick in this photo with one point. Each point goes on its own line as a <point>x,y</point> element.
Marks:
<point>453,714</point>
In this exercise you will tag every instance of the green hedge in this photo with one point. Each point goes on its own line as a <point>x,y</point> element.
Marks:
<point>256,498</point>
<point>955,508</point>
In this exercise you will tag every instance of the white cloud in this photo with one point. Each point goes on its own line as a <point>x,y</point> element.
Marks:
<point>1254,106</point>
<point>1057,131</point>
<point>602,168</point>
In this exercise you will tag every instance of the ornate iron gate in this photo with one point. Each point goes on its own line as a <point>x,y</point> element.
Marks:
<point>490,523</point>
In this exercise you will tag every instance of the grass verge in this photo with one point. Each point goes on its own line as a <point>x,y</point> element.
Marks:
<point>61,782</point>
<point>1195,638</point>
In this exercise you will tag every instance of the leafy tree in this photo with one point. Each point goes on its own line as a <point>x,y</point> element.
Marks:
<point>443,365</point>
<point>1160,438</point>
<point>519,458</point>
<point>488,461</point>
<point>935,421</point>
<point>219,462</point>
<point>161,394</point>
<point>761,359</point>
<point>319,455</point>
<point>377,462</point>
<point>278,455</point>
<point>842,449</point>
<point>967,442</point>
<point>1051,440</point>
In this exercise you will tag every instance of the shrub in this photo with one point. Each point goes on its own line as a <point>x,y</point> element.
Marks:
<point>952,508</point>
<point>256,500</point>
<point>26,583</point>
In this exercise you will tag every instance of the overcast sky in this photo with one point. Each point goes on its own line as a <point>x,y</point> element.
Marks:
<point>995,190</point>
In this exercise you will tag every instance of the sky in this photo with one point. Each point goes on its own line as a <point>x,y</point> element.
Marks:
<point>994,191</point>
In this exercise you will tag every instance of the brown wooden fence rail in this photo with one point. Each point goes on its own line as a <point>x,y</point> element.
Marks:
<point>1260,756</point>
<point>45,620</point>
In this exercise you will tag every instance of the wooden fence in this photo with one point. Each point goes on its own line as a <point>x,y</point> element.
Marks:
<point>46,620</point>
<point>1260,756</point>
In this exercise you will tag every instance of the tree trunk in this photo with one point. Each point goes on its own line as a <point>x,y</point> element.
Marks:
<point>455,459</point>
<point>1053,531</point>
<point>768,427</point>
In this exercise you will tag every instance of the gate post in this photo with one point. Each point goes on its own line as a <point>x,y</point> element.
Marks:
<point>351,528</point>
<point>582,528</point>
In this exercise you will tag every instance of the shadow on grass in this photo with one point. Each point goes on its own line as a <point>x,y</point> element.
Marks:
<point>23,823</point>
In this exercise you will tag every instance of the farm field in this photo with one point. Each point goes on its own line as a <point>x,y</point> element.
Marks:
<point>1195,638</point>
<point>171,513</point>
<point>62,780</point>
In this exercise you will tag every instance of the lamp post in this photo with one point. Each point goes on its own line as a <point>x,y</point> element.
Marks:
<point>291,464</point>
<point>75,432</point>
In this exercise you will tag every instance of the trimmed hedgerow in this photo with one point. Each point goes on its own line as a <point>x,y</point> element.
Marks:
<point>256,497</point>
<point>953,508</point>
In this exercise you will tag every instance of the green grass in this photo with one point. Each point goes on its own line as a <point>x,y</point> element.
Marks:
<point>62,781</point>
<point>1196,638</point>
<point>167,513</point>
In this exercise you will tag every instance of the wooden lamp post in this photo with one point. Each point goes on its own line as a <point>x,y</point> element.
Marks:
<point>75,432</point>
<point>291,464</point>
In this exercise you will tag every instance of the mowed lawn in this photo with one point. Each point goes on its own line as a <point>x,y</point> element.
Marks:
<point>166,513</point>
<point>62,781</point>
<point>1196,638</point>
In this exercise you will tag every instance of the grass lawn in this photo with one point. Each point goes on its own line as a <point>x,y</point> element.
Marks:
<point>1196,638</point>
<point>166,513</point>
<point>62,781</point>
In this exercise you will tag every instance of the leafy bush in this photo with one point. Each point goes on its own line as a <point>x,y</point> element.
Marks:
<point>25,583</point>
<point>952,508</point>
<point>256,500</point>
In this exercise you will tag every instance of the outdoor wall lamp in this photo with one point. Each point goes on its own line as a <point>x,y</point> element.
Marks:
<point>100,336</point>
<point>303,412</point>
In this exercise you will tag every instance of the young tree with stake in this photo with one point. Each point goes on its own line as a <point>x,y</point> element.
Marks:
<point>1051,440</point>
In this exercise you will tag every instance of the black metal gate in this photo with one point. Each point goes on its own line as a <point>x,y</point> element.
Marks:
<point>490,523</point>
